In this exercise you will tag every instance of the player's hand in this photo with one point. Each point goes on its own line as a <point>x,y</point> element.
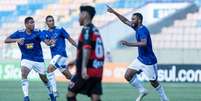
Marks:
<point>84,74</point>
<point>20,41</point>
<point>109,9</point>
<point>52,42</point>
<point>124,43</point>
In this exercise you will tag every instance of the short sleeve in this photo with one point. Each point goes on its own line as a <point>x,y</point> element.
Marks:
<point>86,38</point>
<point>64,33</point>
<point>15,35</point>
<point>43,35</point>
<point>143,34</point>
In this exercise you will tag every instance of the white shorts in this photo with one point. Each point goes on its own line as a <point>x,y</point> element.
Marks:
<point>39,67</point>
<point>59,62</point>
<point>149,71</point>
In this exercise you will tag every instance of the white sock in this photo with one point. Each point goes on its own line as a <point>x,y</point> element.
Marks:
<point>137,84</point>
<point>52,81</point>
<point>25,87</point>
<point>161,93</point>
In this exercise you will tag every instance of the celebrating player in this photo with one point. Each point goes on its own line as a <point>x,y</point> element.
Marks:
<point>146,61</point>
<point>29,41</point>
<point>55,38</point>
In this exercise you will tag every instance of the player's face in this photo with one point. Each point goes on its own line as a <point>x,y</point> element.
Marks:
<point>82,17</point>
<point>50,22</point>
<point>134,21</point>
<point>30,24</point>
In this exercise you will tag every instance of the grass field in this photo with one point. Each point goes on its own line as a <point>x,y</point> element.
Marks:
<point>11,91</point>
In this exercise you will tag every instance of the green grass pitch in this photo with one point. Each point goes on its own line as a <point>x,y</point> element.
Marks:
<point>11,91</point>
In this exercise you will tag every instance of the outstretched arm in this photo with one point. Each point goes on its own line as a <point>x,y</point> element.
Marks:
<point>19,40</point>
<point>142,43</point>
<point>72,41</point>
<point>121,17</point>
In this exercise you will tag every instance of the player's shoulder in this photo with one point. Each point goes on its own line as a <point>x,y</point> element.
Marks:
<point>21,30</point>
<point>59,27</point>
<point>36,30</point>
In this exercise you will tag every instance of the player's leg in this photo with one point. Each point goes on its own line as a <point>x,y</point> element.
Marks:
<point>39,67</point>
<point>66,73</point>
<point>71,96</point>
<point>131,76</point>
<point>95,87</point>
<point>151,73</point>
<point>76,85</point>
<point>25,70</point>
<point>52,80</point>
<point>95,97</point>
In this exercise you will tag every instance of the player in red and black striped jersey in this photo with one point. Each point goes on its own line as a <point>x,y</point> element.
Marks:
<point>89,61</point>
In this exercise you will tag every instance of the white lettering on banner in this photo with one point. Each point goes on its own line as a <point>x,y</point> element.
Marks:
<point>11,72</point>
<point>107,73</point>
<point>118,72</point>
<point>180,75</point>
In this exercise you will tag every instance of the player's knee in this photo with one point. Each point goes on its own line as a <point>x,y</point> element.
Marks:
<point>95,98</point>
<point>67,74</point>
<point>73,98</point>
<point>70,94</point>
<point>128,76</point>
<point>50,69</point>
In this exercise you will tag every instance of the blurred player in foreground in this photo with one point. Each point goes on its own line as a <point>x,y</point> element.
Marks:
<point>89,61</point>
<point>55,37</point>
<point>29,41</point>
<point>146,61</point>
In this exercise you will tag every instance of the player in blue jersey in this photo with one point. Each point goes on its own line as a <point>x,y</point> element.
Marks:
<point>55,38</point>
<point>146,61</point>
<point>29,41</point>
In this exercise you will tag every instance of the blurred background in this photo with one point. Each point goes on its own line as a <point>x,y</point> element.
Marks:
<point>175,28</point>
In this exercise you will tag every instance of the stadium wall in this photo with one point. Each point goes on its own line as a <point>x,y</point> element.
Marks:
<point>114,72</point>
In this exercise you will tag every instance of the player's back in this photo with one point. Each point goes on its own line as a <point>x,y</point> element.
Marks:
<point>90,38</point>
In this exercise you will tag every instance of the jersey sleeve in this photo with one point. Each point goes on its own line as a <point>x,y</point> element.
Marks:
<point>86,38</point>
<point>143,34</point>
<point>15,35</point>
<point>64,33</point>
<point>43,35</point>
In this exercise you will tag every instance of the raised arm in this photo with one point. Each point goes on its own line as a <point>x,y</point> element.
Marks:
<point>142,43</point>
<point>121,17</point>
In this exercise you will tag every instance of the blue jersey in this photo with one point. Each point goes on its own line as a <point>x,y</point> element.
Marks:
<point>146,54</point>
<point>31,49</point>
<point>58,34</point>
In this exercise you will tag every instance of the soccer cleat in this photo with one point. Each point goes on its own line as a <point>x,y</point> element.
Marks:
<point>26,98</point>
<point>141,96</point>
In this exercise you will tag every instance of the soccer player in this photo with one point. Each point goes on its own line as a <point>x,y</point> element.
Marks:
<point>29,41</point>
<point>55,38</point>
<point>146,61</point>
<point>89,61</point>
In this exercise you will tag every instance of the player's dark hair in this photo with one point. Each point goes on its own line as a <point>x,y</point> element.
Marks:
<point>91,10</point>
<point>26,20</point>
<point>139,15</point>
<point>49,16</point>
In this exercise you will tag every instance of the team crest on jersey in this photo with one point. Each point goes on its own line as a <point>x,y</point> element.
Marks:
<point>29,46</point>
